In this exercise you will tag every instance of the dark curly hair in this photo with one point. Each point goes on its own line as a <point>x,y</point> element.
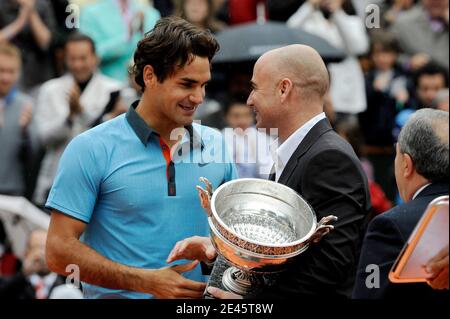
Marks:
<point>171,45</point>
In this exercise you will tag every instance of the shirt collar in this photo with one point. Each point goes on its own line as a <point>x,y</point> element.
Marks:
<point>47,280</point>
<point>10,96</point>
<point>283,153</point>
<point>144,131</point>
<point>420,190</point>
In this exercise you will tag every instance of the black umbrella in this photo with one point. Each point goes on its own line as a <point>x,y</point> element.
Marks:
<point>249,41</point>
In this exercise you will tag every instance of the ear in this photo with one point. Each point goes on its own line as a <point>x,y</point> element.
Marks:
<point>284,88</point>
<point>149,76</point>
<point>408,166</point>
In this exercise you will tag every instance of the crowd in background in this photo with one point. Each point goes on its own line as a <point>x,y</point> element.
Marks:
<point>64,69</point>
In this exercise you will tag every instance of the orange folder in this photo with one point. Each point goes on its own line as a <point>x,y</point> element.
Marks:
<point>429,237</point>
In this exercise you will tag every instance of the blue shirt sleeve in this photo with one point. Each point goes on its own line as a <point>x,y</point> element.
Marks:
<point>77,183</point>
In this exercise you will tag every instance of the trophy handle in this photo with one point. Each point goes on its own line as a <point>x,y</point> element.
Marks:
<point>322,228</point>
<point>205,195</point>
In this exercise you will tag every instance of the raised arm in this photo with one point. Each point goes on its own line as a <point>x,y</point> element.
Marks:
<point>41,32</point>
<point>14,28</point>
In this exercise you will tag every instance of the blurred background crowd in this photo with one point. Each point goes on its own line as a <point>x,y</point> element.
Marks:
<point>64,69</point>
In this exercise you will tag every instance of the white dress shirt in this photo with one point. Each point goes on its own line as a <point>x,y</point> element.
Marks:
<point>42,285</point>
<point>282,154</point>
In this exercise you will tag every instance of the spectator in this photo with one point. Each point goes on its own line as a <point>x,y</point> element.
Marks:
<point>349,129</point>
<point>386,90</point>
<point>16,150</point>
<point>441,101</point>
<point>15,117</point>
<point>199,13</point>
<point>62,31</point>
<point>422,172</point>
<point>29,24</point>
<point>394,9</point>
<point>329,20</point>
<point>34,281</point>
<point>165,7</point>
<point>245,11</point>
<point>428,81</point>
<point>69,105</point>
<point>116,26</point>
<point>423,34</point>
<point>249,147</point>
<point>9,263</point>
<point>282,10</point>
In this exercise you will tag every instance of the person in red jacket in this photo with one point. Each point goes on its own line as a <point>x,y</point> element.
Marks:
<point>244,11</point>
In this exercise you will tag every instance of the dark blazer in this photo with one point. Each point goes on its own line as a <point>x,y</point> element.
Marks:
<point>385,238</point>
<point>19,287</point>
<point>326,172</point>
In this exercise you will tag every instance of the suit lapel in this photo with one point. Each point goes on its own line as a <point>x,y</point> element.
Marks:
<point>313,135</point>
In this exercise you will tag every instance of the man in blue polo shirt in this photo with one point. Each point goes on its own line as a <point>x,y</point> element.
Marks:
<point>125,190</point>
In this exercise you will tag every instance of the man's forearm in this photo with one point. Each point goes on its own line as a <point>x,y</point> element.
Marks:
<point>94,268</point>
<point>11,30</point>
<point>41,33</point>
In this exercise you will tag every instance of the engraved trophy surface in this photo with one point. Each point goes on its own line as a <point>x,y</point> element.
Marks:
<point>258,226</point>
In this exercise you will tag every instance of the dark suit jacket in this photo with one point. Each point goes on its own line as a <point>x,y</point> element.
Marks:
<point>326,172</point>
<point>19,287</point>
<point>385,238</point>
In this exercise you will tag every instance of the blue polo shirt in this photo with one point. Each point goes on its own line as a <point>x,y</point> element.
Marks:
<point>136,201</point>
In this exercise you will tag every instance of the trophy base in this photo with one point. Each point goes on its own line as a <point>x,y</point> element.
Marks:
<point>241,282</point>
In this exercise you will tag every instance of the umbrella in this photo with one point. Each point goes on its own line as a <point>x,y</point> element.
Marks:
<point>19,218</point>
<point>248,42</point>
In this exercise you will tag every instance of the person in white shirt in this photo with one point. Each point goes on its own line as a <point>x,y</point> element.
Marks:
<point>248,145</point>
<point>327,19</point>
<point>69,105</point>
<point>35,280</point>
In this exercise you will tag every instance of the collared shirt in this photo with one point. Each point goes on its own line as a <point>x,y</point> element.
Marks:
<point>13,144</point>
<point>283,153</point>
<point>114,178</point>
<point>42,285</point>
<point>420,190</point>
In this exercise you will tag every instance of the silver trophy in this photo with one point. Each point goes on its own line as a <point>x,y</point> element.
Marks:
<point>258,226</point>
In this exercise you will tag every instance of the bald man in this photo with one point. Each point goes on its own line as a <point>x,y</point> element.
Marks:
<point>289,87</point>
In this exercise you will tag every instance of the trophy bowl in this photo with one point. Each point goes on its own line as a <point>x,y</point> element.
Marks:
<point>258,226</point>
